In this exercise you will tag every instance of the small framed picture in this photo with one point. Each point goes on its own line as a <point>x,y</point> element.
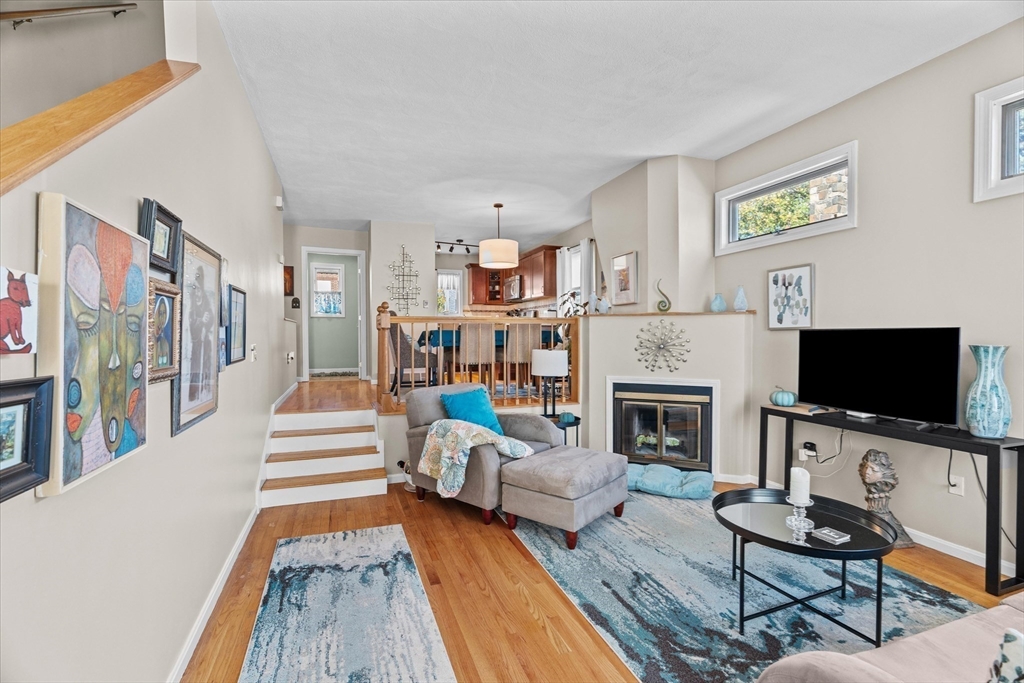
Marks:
<point>19,312</point>
<point>236,326</point>
<point>163,230</point>
<point>791,297</point>
<point>624,279</point>
<point>289,280</point>
<point>26,413</point>
<point>164,330</point>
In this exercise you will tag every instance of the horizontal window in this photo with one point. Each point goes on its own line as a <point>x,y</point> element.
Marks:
<point>810,197</point>
<point>1013,139</point>
<point>999,141</point>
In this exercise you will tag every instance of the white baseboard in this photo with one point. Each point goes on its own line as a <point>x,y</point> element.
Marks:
<point>744,479</point>
<point>396,478</point>
<point>312,370</point>
<point>958,551</point>
<point>286,394</point>
<point>211,601</point>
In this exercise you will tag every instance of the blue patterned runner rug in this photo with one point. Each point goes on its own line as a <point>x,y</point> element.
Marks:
<point>656,584</point>
<point>347,606</point>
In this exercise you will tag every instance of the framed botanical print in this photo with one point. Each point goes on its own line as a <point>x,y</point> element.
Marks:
<point>164,330</point>
<point>236,326</point>
<point>93,329</point>
<point>196,388</point>
<point>790,297</point>
<point>26,417</point>
<point>163,230</point>
<point>624,279</point>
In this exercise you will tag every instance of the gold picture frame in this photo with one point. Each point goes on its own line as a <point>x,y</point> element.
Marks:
<point>164,331</point>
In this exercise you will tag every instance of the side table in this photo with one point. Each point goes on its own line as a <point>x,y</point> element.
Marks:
<point>564,426</point>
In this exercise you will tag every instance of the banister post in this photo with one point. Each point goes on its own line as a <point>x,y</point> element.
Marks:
<point>384,399</point>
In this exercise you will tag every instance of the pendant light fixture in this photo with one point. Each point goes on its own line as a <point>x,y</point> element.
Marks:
<point>499,253</point>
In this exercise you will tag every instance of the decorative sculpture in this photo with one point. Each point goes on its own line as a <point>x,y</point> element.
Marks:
<point>404,291</point>
<point>665,304</point>
<point>662,346</point>
<point>879,477</point>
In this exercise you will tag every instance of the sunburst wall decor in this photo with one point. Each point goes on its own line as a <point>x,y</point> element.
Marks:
<point>662,346</point>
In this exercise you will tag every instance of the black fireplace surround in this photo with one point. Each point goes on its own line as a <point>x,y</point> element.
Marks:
<point>667,424</point>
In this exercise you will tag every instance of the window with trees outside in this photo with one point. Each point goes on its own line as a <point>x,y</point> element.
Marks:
<point>808,198</point>
<point>999,141</point>
<point>449,292</point>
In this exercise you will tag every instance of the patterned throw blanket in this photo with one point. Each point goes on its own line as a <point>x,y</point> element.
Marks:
<point>446,452</point>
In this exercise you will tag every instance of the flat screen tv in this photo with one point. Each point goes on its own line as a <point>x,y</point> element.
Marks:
<point>910,373</point>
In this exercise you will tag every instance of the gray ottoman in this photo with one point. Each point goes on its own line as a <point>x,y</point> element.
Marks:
<point>567,487</point>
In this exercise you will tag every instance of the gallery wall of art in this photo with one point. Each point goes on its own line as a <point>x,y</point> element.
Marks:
<point>105,568</point>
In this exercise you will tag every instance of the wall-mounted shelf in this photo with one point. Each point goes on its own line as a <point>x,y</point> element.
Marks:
<point>30,146</point>
<point>28,16</point>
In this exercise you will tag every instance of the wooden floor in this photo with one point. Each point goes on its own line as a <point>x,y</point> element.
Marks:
<point>329,393</point>
<point>502,618</point>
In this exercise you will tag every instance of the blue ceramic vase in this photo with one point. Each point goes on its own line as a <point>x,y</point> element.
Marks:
<point>739,304</point>
<point>988,402</point>
<point>718,304</point>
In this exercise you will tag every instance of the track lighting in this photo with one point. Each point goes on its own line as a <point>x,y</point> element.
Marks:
<point>451,249</point>
<point>457,243</point>
<point>439,246</point>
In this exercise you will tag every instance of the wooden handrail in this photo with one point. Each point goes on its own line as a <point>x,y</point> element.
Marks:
<point>434,357</point>
<point>30,146</point>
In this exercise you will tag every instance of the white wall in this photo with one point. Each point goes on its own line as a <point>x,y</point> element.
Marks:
<point>922,255</point>
<point>105,582</point>
<point>618,212</point>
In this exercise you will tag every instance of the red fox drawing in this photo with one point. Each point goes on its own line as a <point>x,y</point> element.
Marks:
<point>10,314</point>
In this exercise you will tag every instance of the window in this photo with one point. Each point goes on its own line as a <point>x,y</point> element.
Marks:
<point>328,295</point>
<point>999,141</point>
<point>575,269</point>
<point>811,197</point>
<point>449,292</point>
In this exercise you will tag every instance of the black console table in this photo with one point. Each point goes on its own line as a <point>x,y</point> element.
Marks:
<point>945,438</point>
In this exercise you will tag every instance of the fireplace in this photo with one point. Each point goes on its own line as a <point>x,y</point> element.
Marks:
<point>666,424</point>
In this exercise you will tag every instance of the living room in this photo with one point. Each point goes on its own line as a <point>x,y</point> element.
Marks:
<point>360,150</point>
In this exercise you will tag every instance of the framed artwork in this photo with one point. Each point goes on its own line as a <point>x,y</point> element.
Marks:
<point>163,230</point>
<point>327,283</point>
<point>222,348</point>
<point>624,279</point>
<point>26,417</point>
<point>195,390</point>
<point>236,326</point>
<point>225,312</point>
<point>164,330</point>
<point>790,297</point>
<point>289,280</point>
<point>19,312</point>
<point>93,337</point>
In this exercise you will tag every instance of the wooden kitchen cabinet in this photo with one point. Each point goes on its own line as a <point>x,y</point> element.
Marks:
<point>485,285</point>
<point>539,269</point>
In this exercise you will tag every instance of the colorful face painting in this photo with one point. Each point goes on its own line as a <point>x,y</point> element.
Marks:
<point>105,343</point>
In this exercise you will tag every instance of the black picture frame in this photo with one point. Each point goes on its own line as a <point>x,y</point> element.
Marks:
<point>212,289</point>
<point>232,326</point>
<point>36,393</point>
<point>154,213</point>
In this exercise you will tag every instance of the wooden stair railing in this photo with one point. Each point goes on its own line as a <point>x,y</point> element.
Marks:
<point>30,146</point>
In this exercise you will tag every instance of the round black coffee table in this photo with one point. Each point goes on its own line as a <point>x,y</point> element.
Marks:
<point>759,516</point>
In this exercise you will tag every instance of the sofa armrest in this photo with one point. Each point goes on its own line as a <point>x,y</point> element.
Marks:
<point>416,437</point>
<point>824,667</point>
<point>526,427</point>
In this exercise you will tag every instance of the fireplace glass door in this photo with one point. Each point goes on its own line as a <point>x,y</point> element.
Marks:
<point>665,431</point>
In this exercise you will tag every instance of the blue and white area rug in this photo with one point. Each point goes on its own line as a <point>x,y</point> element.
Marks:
<point>347,606</point>
<point>656,584</point>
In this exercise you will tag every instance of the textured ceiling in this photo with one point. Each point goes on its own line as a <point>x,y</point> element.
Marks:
<point>426,111</point>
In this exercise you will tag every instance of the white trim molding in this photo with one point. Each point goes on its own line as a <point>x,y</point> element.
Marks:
<point>958,551</point>
<point>361,279</point>
<point>989,182</point>
<point>724,244</point>
<point>716,410</point>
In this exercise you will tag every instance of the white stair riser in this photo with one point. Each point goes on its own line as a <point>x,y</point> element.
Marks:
<point>312,494</point>
<point>349,418</point>
<point>316,443</point>
<point>348,463</point>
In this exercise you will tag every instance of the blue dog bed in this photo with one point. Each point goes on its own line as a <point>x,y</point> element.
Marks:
<point>668,481</point>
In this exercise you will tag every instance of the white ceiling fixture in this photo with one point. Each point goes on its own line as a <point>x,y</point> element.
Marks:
<point>499,253</point>
<point>425,111</point>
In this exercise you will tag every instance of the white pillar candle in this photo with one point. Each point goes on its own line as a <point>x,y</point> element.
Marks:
<point>799,486</point>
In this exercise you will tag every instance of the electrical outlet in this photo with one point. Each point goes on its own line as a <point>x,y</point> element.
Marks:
<point>957,489</point>
<point>803,453</point>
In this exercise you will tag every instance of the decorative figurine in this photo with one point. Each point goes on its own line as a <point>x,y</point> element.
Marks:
<point>879,477</point>
<point>665,304</point>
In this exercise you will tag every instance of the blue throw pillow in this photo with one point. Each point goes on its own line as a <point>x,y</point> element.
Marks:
<point>669,481</point>
<point>472,406</point>
<point>633,474</point>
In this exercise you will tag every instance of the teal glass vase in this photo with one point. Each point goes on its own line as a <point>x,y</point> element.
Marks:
<point>739,304</point>
<point>718,304</point>
<point>988,402</point>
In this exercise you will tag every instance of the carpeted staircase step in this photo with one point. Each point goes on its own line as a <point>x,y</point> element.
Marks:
<point>325,431</point>
<point>321,479</point>
<point>293,456</point>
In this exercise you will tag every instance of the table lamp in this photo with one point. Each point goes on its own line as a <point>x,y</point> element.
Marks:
<point>549,364</point>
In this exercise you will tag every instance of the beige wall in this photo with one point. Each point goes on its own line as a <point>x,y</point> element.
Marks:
<point>298,236</point>
<point>72,55</point>
<point>922,255</point>
<point>106,581</point>
<point>618,214</point>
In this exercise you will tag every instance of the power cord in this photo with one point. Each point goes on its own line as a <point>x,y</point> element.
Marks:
<point>839,451</point>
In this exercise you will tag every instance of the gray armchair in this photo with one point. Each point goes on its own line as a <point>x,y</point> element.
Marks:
<point>483,472</point>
